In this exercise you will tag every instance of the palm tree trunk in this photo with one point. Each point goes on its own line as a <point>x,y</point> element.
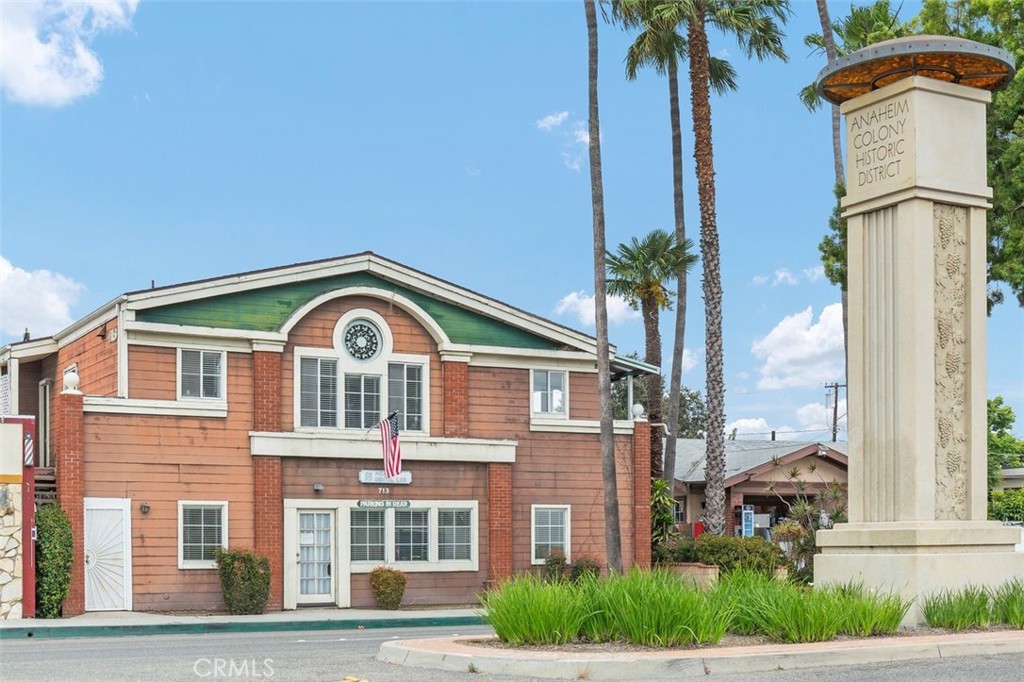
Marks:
<point>837,161</point>
<point>703,154</point>
<point>612,535</point>
<point>652,343</point>
<point>676,381</point>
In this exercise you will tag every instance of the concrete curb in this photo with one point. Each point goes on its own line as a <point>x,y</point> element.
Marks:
<point>454,654</point>
<point>44,631</point>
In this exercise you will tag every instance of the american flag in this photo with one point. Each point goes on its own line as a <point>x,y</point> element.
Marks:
<point>389,443</point>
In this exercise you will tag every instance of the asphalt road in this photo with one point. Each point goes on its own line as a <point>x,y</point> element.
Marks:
<point>333,656</point>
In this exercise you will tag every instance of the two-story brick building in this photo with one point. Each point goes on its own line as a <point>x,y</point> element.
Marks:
<point>243,411</point>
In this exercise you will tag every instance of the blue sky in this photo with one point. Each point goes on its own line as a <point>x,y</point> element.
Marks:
<point>171,141</point>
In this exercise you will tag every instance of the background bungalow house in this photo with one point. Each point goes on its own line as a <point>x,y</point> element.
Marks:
<point>749,470</point>
<point>243,411</point>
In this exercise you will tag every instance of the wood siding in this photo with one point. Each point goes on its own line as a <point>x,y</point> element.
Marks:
<point>153,373</point>
<point>316,330</point>
<point>161,460</point>
<point>96,357</point>
<point>431,481</point>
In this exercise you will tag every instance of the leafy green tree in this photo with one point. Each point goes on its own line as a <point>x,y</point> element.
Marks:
<point>612,528</point>
<point>755,25</point>
<point>638,273</point>
<point>1004,449</point>
<point>1007,505</point>
<point>999,23</point>
<point>865,25</point>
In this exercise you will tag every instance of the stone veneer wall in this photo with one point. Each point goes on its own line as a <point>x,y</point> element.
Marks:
<point>11,563</point>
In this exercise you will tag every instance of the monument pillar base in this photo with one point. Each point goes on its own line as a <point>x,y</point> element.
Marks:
<point>916,559</point>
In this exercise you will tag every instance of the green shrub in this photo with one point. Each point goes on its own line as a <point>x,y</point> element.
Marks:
<point>54,556</point>
<point>958,609</point>
<point>584,566</point>
<point>388,585</point>
<point>244,580</point>
<point>730,553</point>
<point>555,566</point>
<point>682,551</point>
<point>1006,505</point>
<point>1008,604</point>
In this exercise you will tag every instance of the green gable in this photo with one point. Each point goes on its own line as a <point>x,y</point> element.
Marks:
<point>267,309</point>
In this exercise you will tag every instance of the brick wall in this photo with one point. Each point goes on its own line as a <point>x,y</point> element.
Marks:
<point>732,500</point>
<point>268,501</point>
<point>68,442</point>
<point>499,521</point>
<point>456,399</point>
<point>641,494</point>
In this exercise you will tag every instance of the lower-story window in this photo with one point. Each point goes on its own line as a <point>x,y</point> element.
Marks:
<point>549,531</point>
<point>432,536</point>
<point>202,528</point>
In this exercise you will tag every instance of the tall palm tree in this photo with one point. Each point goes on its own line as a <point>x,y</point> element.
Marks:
<point>755,26</point>
<point>612,533</point>
<point>638,273</point>
<point>660,45</point>
<point>866,24</point>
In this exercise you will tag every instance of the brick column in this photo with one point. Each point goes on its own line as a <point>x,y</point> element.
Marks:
<point>641,493</point>
<point>456,398</point>
<point>268,498</point>
<point>69,462</point>
<point>499,521</point>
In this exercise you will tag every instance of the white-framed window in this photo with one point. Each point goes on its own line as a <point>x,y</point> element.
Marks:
<point>360,380</point>
<point>368,535</point>
<point>202,528</point>
<point>550,392</point>
<point>318,391</point>
<point>679,510</point>
<point>433,535</point>
<point>405,394</point>
<point>362,401</point>
<point>201,374</point>
<point>549,530</point>
<point>454,534</point>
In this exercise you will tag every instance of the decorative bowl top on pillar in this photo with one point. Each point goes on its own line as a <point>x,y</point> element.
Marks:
<point>954,60</point>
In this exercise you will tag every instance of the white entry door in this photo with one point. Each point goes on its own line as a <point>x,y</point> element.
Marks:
<point>316,557</point>
<point>108,554</point>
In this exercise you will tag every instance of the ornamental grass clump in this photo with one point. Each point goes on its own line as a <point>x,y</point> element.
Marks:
<point>868,613</point>
<point>796,614</point>
<point>529,610</point>
<point>1008,604</point>
<point>963,609</point>
<point>659,609</point>
<point>740,589</point>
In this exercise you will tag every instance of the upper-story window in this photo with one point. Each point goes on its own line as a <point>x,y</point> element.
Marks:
<point>201,373</point>
<point>550,392</point>
<point>361,380</point>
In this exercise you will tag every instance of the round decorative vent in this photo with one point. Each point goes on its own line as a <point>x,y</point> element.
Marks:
<point>362,340</point>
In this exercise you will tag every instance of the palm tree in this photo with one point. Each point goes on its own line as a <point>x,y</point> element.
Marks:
<point>660,45</point>
<point>612,534</point>
<point>754,25</point>
<point>638,274</point>
<point>866,25</point>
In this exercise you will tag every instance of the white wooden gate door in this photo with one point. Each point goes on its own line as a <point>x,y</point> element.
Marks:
<point>108,554</point>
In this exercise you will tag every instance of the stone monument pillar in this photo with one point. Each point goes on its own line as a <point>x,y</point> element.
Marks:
<point>916,203</point>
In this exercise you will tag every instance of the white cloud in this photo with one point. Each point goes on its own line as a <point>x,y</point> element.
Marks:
<point>817,416</point>
<point>572,161</point>
<point>552,121</point>
<point>39,301</point>
<point>45,55</point>
<point>580,305</point>
<point>815,274</point>
<point>799,352</point>
<point>783,276</point>
<point>580,134</point>
<point>758,280</point>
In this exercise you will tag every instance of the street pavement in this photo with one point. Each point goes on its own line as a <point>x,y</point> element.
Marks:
<point>457,655</point>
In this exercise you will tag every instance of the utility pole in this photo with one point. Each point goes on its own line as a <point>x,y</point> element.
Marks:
<point>834,388</point>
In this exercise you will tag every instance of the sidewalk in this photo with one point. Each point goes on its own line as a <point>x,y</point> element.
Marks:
<point>129,623</point>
